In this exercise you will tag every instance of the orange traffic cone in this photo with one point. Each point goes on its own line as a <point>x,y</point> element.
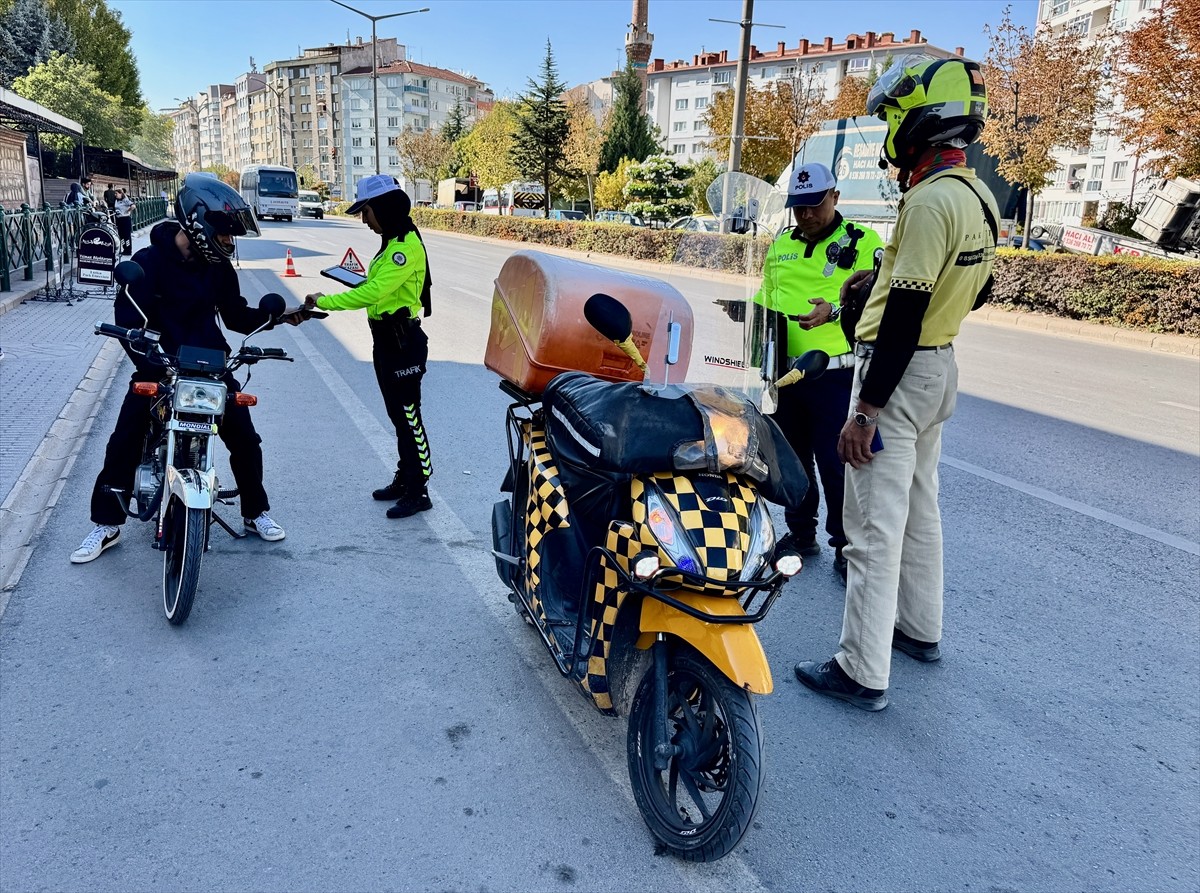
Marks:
<point>291,267</point>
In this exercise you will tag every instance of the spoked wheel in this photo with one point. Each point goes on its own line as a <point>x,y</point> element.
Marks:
<point>702,804</point>
<point>184,531</point>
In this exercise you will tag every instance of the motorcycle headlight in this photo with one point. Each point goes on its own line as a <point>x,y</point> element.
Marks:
<point>199,396</point>
<point>762,541</point>
<point>670,533</point>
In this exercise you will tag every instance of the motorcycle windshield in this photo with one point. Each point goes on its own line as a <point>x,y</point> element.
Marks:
<point>734,344</point>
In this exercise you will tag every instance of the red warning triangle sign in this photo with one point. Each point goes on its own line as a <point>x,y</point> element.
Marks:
<point>352,263</point>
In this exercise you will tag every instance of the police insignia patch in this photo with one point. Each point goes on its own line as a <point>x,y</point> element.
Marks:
<point>399,259</point>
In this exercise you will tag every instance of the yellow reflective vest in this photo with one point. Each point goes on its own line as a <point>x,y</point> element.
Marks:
<point>796,270</point>
<point>394,282</point>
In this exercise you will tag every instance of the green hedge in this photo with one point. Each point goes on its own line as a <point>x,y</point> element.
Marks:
<point>1142,293</point>
<point>1137,292</point>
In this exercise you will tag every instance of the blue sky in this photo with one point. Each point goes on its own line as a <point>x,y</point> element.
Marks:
<point>184,45</point>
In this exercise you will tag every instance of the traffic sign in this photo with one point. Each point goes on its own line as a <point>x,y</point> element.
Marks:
<point>352,263</point>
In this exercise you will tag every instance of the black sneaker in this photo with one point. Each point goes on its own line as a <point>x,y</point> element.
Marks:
<point>925,652</point>
<point>806,546</point>
<point>839,564</point>
<point>830,679</point>
<point>393,491</point>
<point>410,504</point>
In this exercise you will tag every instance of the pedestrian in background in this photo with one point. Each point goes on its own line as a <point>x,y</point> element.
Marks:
<point>110,197</point>
<point>393,294</point>
<point>802,279</point>
<point>124,209</point>
<point>936,268</point>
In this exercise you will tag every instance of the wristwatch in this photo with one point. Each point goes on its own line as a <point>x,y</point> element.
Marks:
<point>834,314</point>
<point>863,420</point>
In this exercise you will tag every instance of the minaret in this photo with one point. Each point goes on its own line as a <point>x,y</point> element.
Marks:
<point>638,42</point>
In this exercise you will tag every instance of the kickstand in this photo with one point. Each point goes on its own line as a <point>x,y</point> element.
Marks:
<point>221,521</point>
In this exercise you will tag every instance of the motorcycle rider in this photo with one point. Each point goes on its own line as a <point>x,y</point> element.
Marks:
<point>188,283</point>
<point>394,293</point>
<point>936,268</point>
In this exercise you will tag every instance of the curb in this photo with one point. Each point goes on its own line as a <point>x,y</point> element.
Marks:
<point>35,494</point>
<point>1180,345</point>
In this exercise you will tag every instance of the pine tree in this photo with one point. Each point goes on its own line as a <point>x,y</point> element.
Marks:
<point>629,131</point>
<point>539,149</point>
<point>29,33</point>
<point>455,127</point>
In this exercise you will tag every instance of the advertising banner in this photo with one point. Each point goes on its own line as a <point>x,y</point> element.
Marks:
<point>97,255</point>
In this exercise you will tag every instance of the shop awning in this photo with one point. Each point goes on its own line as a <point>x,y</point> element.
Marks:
<point>115,163</point>
<point>26,115</point>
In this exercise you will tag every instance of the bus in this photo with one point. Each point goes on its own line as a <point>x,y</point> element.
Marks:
<point>516,199</point>
<point>272,191</point>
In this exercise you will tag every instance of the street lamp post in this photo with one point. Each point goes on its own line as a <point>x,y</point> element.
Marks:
<point>375,66</point>
<point>279,107</point>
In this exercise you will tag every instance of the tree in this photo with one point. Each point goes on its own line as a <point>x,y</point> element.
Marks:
<point>629,133</point>
<point>851,100</point>
<point>770,127</point>
<point>582,148</point>
<point>72,89</point>
<point>224,174</point>
<point>486,149</point>
<point>610,186</point>
<point>804,108</point>
<point>422,154</point>
<point>453,132</point>
<point>29,33</point>
<point>152,141</point>
<point>104,43</point>
<point>658,187</point>
<point>310,178</point>
<point>539,147</point>
<point>704,172</point>
<point>1159,76</point>
<point>1043,93</point>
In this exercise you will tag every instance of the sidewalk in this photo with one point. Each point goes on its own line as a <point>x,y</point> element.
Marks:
<point>53,375</point>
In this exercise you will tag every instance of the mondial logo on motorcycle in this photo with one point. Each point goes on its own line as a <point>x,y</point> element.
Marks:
<point>724,362</point>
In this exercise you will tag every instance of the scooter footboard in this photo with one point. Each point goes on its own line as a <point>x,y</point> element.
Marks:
<point>733,648</point>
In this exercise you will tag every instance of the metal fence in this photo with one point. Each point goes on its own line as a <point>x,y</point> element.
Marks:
<point>33,239</point>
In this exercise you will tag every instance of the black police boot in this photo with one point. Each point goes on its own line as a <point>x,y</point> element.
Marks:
<point>411,503</point>
<point>393,491</point>
<point>831,680</point>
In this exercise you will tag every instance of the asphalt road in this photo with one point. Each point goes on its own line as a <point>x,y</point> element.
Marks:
<point>358,708</point>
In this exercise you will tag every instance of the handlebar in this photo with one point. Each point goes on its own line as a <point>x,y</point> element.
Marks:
<point>248,355</point>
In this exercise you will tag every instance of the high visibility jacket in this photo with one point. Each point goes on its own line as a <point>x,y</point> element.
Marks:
<point>394,282</point>
<point>796,270</point>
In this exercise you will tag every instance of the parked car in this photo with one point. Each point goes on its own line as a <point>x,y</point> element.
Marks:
<point>701,224</point>
<point>567,215</point>
<point>619,217</point>
<point>311,205</point>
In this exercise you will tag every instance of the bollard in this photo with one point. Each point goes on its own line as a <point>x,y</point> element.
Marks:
<point>5,281</point>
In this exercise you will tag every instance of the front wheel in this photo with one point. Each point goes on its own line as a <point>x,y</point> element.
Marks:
<point>184,532</point>
<point>703,802</point>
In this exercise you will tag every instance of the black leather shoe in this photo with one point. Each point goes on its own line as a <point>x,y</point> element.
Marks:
<point>839,564</point>
<point>393,491</point>
<point>410,504</point>
<point>925,652</point>
<point>830,679</point>
<point>807,547</point>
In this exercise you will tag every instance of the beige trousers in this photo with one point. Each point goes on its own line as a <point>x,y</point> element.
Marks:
<point>894,556</point>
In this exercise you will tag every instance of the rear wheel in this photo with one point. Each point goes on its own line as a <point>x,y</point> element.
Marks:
<point>184,532</point>
<point>703,802</point>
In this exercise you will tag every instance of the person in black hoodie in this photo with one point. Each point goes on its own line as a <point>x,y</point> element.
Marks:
<point>188,283</point>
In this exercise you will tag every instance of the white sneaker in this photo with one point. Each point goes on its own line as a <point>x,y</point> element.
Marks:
<point>264,527</point>
<point>95,543</point>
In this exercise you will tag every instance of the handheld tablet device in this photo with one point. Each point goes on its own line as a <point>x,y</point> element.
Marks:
<point>344,276</point>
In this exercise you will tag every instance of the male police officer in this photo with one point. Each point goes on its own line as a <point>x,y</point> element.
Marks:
<point>802,277</point>
<point>935,269</point>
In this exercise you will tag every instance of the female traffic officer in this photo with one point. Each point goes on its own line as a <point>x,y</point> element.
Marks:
<point>394,293</point>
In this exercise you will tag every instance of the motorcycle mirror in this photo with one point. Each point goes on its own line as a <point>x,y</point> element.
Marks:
<point>128,272</point>
<point>609,317</point>
<point>273,304</point>
<point>811,364</point>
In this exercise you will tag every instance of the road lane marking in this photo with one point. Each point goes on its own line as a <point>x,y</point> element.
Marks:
<point>1179,405</point>
<point>478,568</point>
<point>1159,536</point>
<point>471,294</point>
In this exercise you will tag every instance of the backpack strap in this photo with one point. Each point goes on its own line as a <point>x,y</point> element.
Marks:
<point>987,212</point>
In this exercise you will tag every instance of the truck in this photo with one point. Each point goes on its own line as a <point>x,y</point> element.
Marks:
<point>456,193</point>
<point>1171,217</point>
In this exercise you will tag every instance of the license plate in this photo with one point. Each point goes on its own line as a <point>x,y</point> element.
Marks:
<point>200,427</point>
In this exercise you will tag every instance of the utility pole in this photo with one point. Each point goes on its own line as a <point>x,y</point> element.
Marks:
<point>375,66</point>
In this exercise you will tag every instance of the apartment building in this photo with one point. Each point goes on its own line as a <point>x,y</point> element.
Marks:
<point>679,93</point>
<point>1091,177</point>
<point>185,137</point>
<point>411,96</point>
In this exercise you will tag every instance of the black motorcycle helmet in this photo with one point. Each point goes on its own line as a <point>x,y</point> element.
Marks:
<point>206,207</point>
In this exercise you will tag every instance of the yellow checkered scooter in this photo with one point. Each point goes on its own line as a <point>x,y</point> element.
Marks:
<point>635,538</point>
